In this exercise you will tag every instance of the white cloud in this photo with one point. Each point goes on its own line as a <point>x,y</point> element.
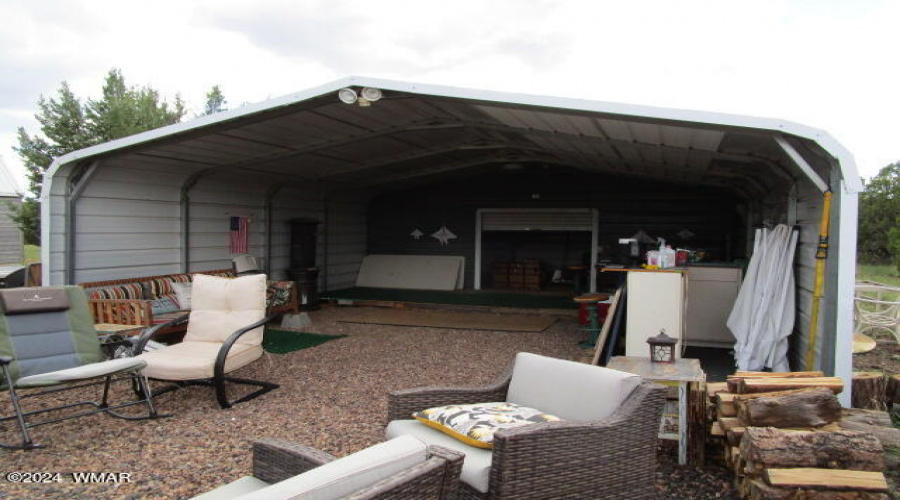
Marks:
<point>828,64</point>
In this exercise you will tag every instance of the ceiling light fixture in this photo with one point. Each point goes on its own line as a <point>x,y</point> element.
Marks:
<point>371,94</point>
<point>367,96</point>
<point>347,95</point>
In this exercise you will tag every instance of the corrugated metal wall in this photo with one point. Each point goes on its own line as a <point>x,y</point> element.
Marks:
<point>626,206</point>
<point>808,215</point>
<point>293,203</point>
<point>129,229</point>
<point>10,236</point>
<point>123,228</point>
<point>347,239</point>
<point>214,200</point>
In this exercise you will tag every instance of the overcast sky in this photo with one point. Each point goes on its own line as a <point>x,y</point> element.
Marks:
<point>831,64</point>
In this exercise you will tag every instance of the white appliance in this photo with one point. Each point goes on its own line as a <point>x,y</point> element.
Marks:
<point>655,302</point>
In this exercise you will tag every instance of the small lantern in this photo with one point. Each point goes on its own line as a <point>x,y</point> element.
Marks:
<point>662,348</point>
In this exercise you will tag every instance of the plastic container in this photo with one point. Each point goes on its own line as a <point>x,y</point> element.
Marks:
<point>667,257</point>
<point>653,258</point>
<point>682,257</point>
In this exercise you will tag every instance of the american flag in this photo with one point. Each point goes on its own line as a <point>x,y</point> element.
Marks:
<point>237,241</point>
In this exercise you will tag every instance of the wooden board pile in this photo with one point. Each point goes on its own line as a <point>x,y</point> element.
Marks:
<point>785,436</point>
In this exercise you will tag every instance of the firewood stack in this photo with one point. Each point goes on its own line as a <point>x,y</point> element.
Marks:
<point>785,436</point>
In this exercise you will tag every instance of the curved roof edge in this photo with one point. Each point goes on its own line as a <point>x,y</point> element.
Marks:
<point>851,177</point>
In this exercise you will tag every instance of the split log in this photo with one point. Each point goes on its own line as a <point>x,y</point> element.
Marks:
<point>734,454</point>
<point>893,389</point>
<point>777,448</point>
<point>733,380</point>
<point>713,388</point>
<point>716,429</point>
<point>725,405</point>
<point>749,374</point>
<point>747,385</point>
<point>806,408</point>
<point>827,479</point>
<point>728,425</point>
<point>738,468</point>
<point>869,417</point>
<point>696,424</point>
<point>753,395</point>
<point>869,390</point>
<point>734,435</point>
<point>878,423</point>
<point>759,490</point>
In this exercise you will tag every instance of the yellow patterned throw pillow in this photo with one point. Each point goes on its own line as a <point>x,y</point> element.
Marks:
<point>476,424</point>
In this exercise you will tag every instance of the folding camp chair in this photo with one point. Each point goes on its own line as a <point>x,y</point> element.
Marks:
<point>47,340</point>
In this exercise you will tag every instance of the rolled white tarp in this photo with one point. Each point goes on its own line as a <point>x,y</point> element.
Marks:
<point>763,314</point>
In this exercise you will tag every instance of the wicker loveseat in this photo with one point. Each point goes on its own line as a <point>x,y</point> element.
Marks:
<point>582,456</point>
<point>130,301</point>
<point>400,469</point>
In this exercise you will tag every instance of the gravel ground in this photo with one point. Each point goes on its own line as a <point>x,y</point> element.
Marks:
<point>884,358</point>
<point>332,397</point>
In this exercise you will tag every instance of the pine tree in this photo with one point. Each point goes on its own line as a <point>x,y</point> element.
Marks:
<point>68,125</point>
<point>215,101</point>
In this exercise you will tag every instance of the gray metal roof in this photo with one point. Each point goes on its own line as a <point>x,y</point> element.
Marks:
<point>8,185</point>
<point>422,133</point>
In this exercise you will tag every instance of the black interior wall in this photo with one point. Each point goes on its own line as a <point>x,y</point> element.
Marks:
<point>626,205</point>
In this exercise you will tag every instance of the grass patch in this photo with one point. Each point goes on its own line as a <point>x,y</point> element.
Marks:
<point>880,273</point>
<point>32,254</point>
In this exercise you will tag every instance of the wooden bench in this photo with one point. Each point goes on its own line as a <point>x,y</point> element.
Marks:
<point>132,303</point>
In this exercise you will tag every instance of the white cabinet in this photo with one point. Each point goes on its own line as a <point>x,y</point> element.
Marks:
<point>711,293</point>
<point>655,302</point>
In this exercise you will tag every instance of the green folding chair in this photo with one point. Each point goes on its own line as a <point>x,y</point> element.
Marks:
<point>47,345</point>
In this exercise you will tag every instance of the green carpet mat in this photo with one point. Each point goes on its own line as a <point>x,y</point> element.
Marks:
<point>459,297</point>
<point>285,341</point>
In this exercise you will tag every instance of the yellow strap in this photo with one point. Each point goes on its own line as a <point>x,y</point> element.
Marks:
<point>819,288</point>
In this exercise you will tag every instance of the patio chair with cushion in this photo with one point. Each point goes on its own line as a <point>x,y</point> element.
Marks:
<point>602,446</point>
<point>224,333</point>
<point>47,340</point>
<point>401,469</point>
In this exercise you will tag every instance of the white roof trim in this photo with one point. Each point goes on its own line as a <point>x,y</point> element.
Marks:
<point>852,180</point>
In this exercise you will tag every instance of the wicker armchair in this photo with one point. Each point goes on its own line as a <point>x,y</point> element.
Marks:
<point>611,458</point>
<point>274,461</point>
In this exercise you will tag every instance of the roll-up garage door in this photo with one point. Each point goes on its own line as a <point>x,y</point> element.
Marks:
<point>537,220</point>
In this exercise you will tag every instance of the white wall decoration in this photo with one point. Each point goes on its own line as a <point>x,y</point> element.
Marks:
<point>443,235</point>
<point>417,234</point>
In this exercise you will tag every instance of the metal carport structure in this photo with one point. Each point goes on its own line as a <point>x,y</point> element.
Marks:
<point>153,203</point>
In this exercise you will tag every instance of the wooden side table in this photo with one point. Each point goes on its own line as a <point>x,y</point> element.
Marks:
<point>682,373</point>
<point>114,338</point>
<point>123,330</point>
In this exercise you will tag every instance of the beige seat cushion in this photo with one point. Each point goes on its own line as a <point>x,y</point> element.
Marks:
<point>347,475</point>
<point>567,389</point>
<point>195,360</point>
<point>476,469</point>
<point>221,306</point>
